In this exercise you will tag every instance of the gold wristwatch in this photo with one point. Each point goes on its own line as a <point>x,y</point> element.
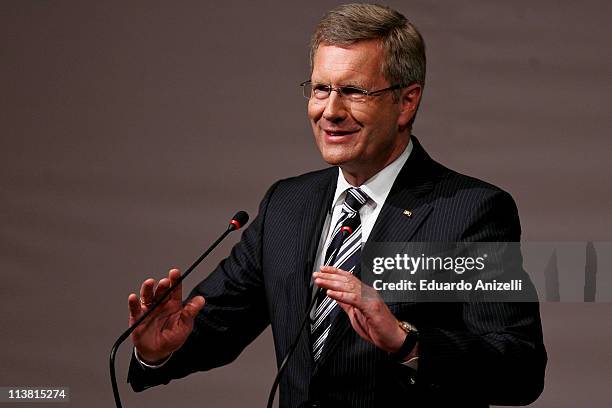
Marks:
<point>412,337</point>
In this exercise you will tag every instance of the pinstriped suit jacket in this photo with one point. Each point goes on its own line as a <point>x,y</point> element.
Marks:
<point>470,354</point>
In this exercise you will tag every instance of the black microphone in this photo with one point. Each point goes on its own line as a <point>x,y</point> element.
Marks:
<point>348,227</point>
<point>237,222</point>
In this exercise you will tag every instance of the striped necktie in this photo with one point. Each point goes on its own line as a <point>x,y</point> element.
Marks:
<point>341,253</point>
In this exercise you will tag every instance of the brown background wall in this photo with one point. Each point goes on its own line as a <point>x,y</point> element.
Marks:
<point>130,131</point>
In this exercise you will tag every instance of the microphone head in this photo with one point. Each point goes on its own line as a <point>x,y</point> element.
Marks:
<point>239,220</point>
<point>349,226</point>
<point>346,229</point>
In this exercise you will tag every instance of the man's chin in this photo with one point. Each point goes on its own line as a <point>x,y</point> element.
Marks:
<point>334,160</point>
<point>335,155</point>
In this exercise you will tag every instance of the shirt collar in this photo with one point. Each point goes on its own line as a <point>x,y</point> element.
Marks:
<point>378,186</point>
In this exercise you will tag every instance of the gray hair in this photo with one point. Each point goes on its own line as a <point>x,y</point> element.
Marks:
<point>404,48</point>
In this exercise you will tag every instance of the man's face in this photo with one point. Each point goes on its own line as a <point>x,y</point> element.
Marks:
<point>360,137</point>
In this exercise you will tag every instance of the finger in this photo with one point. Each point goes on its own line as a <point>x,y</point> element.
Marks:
<point>146,291</point>
<point>347,308</point>
<point>134,308</point>
<point>192,308</point>
<point>361,320</point>
<point>335,271</point>
<point>331,276</point>
<point>174,275</point>
<point>161,289</point>
<point>348,298</point>
<point>336,285</point>
<point>338,275</point>
<point>354,317</point>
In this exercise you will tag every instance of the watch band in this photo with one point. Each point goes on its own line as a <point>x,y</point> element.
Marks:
<point>412,337</point>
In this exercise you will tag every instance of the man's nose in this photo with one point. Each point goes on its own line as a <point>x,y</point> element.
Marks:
<point>335,108</point>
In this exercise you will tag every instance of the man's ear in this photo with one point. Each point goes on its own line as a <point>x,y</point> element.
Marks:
<point>409,103</point>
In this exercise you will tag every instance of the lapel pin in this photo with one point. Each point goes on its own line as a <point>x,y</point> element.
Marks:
<point>408,213</point>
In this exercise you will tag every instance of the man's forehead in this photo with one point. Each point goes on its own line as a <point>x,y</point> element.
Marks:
<point>359,63</point>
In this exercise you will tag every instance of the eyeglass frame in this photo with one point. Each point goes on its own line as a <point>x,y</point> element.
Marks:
<point>338,89</point>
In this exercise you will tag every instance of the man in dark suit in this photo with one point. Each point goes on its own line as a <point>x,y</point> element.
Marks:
<point>368,72</point>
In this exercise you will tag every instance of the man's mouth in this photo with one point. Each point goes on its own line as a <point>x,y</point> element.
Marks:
<point>338,133</point>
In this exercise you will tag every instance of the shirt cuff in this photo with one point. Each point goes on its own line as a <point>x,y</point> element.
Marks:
<point>147,365</point>
<point>412,363</point>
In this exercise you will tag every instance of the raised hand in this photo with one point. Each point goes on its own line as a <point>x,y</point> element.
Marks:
<point>167,328</point>
<point>369,315</point>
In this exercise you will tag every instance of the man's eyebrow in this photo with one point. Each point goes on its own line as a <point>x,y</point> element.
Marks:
<point>354,84</point>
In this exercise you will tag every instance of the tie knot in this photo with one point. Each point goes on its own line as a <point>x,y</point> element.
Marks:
<point>355,199</point>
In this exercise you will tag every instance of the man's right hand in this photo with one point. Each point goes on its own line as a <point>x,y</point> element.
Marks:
<point>168,327</point>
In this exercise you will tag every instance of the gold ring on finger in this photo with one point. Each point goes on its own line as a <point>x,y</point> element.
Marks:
<point>144,303</point>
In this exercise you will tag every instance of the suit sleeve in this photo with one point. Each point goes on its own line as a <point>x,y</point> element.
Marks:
<point>234,315</point>
<point>498,352</point>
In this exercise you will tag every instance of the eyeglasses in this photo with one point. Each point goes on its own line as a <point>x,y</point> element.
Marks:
<point>321,92</point>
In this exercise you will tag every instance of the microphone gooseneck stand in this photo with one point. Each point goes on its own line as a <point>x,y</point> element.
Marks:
<point>347,230</point>
<point>239,220</point>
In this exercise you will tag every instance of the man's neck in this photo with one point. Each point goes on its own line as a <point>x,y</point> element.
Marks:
<point>358,175</point>
<point>358,179</point>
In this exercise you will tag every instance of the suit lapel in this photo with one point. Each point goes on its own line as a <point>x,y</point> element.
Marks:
<point>406,206</point>
<point>413,183</point>
<point>308,233</point>
<point>315,211</point>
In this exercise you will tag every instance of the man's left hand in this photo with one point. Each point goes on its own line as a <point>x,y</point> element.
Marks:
<point>369,315</point>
